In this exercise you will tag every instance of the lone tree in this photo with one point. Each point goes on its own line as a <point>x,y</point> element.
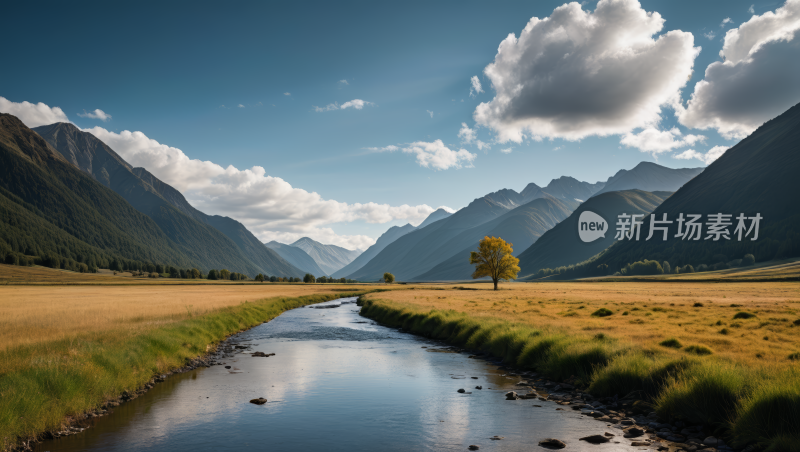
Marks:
<point>494,259</point>
<point>259,277</point>
<point>309,278</point>
<point>388,277</point>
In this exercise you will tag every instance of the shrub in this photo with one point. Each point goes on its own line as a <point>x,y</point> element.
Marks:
<point>698,305</point>
<point>671,343</point>
<point>748,259</point>
<point>698,350</point>
<point>743,315</point>
<point>724,331</point>
<point>602,312</point>
<point>794,357</point>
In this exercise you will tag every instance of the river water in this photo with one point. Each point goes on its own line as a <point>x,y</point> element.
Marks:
<point>337,382</point>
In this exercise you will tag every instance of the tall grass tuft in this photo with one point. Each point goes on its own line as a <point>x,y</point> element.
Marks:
<point>770,411</point>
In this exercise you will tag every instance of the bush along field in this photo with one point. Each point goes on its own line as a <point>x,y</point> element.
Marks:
<point>747,403</point>
<point>45,385</point>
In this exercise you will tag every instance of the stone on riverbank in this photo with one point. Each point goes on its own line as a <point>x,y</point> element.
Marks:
<point>595,439</point>
<point>552,443</point>
<point>259,401</point>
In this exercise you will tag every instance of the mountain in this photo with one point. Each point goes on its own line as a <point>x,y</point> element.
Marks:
<point>419,251</point>
<point>297,257</point>
<point>757,176</point>
<point>209,241</point>
<point>649,177</point>
<point>54,209</point>
<point>521,227</point>
<point>561,245</point>
<point>564,188</point>
<point>329,257</point>
<point>437,215</point>
<point>391,234</point>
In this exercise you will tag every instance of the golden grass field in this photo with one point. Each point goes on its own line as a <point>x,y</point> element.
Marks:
<point>655,311</point>
<point>34,314</point>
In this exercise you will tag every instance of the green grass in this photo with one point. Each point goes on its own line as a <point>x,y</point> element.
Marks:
<point>602,312</point>
<point>700,350</point>
<point>750,406</point>
<point>70,377</point>
<point>671,343</point>
<point>743,315</point>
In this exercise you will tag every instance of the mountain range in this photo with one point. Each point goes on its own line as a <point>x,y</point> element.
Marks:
<point>297,257</point>
<point>561,245</point>
<point>392,234</point>
<point>329,257</point>
<point>649,176</point>
<point>756,177</point>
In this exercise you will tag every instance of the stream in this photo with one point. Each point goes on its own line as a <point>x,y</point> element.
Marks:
<point>337,382</point>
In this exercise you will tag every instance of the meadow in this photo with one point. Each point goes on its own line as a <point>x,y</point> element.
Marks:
<point>721,354</point>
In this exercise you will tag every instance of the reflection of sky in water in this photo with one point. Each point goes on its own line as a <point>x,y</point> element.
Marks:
<point>335,384</point>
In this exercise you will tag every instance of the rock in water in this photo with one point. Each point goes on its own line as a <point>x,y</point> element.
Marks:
<point>478,387</point>
<point>259,401</point>
<point>511,395</point>
<point>595,439</point>
<point>552,443</point>
<point>473,447</point>
<point>633,432</point>
<point>461,391</point>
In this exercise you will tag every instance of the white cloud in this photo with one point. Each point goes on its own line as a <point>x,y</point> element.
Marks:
<point>33,115</point>
<point>657,141</point>
<point>430,113</point>
<point>287,94</point>
<point>241,106</point>
<point>343,82</point>
<point>390,148</point>
<point>710,35</point>
<point>506,150</point>
<point>358,104</point>
<point>96,114</point>
<point>558,148</point>
<point>269,206</point>
<point>466,134</point>
<point>481,145</point>
<point>329,107</point>
<point>712,154</point>
<point>476,87</point>
<point>751,9</point>
<point>579,73</point>
<point>435,154</point>
<point>756,80</point>
<point>725,21</point>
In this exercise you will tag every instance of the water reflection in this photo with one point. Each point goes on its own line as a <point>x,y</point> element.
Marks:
<point>337,382</point>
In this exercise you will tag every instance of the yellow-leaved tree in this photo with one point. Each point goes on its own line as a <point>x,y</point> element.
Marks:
<point>494,259</point>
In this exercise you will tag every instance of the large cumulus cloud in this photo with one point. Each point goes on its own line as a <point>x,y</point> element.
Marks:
<point>758,79</point>
<point>579,73</point>
<point>33,115</point>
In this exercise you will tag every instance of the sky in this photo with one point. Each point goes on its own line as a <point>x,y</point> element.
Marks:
<point>337,120</point>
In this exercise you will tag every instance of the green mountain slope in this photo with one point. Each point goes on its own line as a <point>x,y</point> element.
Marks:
<point>210,242</point>
<point>757,176</point>
<point>521,227</point>
<point>561,245</point>
<point>55,190</point>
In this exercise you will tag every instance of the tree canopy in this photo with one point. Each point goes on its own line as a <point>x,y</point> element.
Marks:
<point>494,259</point>
<point>388,277</point>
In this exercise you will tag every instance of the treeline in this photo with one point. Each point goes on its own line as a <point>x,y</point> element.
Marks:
<point>641,268</point>
<point>309,278</point>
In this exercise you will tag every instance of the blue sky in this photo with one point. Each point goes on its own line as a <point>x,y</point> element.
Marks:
<point>237,83</point>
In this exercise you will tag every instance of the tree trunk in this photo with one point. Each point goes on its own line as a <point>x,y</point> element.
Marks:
<point>495,284</point>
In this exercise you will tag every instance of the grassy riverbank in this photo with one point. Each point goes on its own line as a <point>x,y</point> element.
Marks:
<point>44,382</point>
<point>671,349</point>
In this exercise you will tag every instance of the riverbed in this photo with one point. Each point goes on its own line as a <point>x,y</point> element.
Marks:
<point>337,382</point>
